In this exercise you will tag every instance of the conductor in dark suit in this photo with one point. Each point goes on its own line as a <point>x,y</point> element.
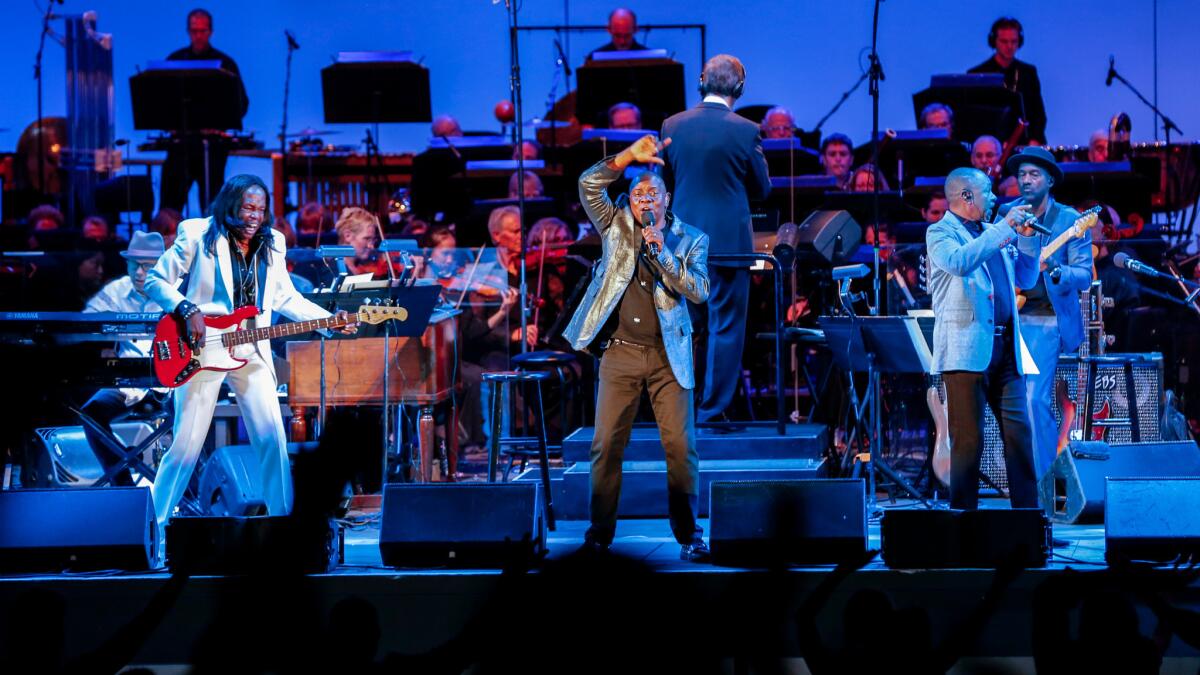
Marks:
<point>714,167</point>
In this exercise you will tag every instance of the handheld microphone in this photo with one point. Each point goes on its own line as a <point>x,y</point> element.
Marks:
<point>648,221</point>
<point>1032,221</point>
<point>1123,261</point>
<point>1112,72</point>
<point>291,40</point>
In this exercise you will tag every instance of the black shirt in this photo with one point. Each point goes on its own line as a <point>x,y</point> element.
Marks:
<point>636,317</point>
<point>1022,78</point>
<point>1001,297</point>
<point>245,282</point>
<point>211,54</point>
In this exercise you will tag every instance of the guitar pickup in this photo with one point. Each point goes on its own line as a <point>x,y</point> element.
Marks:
<point>162,350</point>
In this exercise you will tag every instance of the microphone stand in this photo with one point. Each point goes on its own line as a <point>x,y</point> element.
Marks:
<point>875,75</point>
<point>287,82</point>
<point>37,75</point>
<point>1167,122</point>
<point>845,95</point>
<point>514,84</point>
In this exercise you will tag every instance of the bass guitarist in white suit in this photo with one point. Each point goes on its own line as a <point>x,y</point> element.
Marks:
<point>232,259</point>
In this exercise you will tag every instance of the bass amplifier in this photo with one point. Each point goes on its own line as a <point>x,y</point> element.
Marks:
<point>1118,376</point>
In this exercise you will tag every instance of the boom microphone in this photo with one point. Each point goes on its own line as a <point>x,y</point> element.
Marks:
<point>1123,261</point>
<point>291,40</point>
<point>1112,72</point>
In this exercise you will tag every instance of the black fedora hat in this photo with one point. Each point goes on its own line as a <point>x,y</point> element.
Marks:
<point>1035,155</point>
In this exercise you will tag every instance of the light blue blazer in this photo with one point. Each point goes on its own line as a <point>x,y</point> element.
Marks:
<point>962,291</point>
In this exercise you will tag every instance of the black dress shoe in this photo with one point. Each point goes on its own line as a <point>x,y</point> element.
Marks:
<point>592,548</point>
<point>696,552</point>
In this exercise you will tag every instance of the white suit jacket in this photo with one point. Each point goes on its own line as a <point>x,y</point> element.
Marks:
<point>209,279</point>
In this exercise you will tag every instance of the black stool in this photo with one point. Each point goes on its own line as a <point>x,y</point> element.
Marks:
<point>557,362</point>
<point>524,446</point>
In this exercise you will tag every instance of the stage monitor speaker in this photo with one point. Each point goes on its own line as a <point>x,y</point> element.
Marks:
<point>933,539</point>
<point>264,544</point>
<point>832,235</point>
<point>65,458</point>
<point>461,525</point>
<point>76,529</point>
<point>802,522</point>
<point>1072,491</point>
<point>231,483</point>
<point>1151,519</point>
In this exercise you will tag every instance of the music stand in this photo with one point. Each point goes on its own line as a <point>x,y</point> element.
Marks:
<point>185,96</point>
<point>375,87</point>
<point>892,208</point>
<point>908,154</point>
<point>654,85</point>
<point>981,104</point>
<point>875,345</point>
<point>418,300</point>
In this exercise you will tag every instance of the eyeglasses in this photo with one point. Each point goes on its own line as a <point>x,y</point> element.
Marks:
<point>647,196</point>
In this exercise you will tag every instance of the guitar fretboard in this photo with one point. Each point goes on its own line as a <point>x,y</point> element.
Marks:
<point>242,337</point>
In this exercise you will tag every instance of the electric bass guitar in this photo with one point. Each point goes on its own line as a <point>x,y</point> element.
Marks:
<point>175,362</point>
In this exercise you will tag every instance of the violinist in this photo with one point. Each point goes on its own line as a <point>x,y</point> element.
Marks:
<point>359,228</point>
<point>553,273</point>
<point>444,263</point>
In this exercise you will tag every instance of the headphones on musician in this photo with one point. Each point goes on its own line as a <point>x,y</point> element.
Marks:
<point>736,93</point>
<point>1006,22</point>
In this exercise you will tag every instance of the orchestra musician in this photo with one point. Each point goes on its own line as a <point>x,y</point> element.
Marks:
<point>1050,317</point>
<point>624,115</point>
<point>715,167</point>
<point>359,228</point>
<point>977,342</point>
<point>185,163</point>
<point>837,156</point>
<point>622,26</point>
<point>635,310</point>
<point>778,123</point>
<point>231,259</point>
<point>124,294</point>
<point>1006,37</point>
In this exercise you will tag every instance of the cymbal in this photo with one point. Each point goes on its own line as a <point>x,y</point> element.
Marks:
<point>305,133</point>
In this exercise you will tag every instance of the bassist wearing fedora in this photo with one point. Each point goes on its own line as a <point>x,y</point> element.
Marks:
<point>1051,320</point>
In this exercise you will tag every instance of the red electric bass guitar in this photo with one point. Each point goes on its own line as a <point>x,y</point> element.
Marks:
<point>175,362</point>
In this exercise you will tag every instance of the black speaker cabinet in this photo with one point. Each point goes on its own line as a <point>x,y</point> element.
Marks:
<point>814,522</point>
<point>1151,519</point>
<point>832,235</point>
<point>263,544</point>
<point>76,529</point>
<point>1072,491</point>
<point>461,525</point>
<point>929,539</point>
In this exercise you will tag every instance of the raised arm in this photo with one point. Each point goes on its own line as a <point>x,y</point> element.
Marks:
<point>593,184</point>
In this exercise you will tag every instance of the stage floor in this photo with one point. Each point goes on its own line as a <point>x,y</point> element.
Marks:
<point>415,611</point>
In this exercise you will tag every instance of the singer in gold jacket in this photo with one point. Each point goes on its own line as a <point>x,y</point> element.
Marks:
<point>635,310</point>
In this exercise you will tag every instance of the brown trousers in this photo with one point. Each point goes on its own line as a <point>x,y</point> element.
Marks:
<point>625,370</point>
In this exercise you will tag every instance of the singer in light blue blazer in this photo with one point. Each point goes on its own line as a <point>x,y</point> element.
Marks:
<point>977,346</point>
